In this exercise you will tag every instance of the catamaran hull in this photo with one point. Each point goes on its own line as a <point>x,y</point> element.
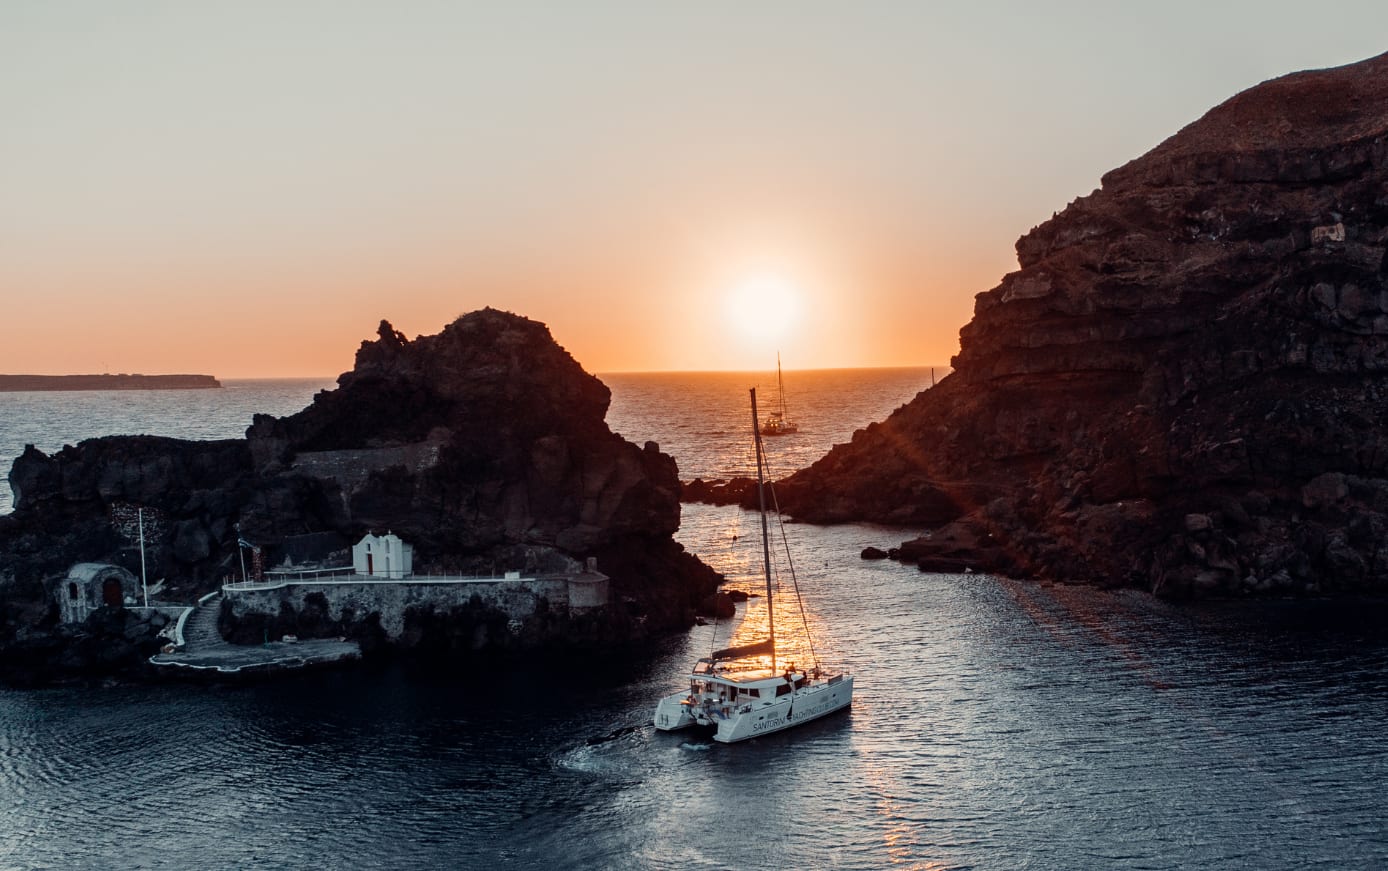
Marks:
<point>785,712</point>
<point>672,712</point>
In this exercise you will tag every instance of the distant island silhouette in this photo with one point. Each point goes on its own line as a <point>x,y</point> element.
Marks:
<point>13,383</point>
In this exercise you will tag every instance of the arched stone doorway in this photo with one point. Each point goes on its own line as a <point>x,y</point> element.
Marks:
<point>89,586</point>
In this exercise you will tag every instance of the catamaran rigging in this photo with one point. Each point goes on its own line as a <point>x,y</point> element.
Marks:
<point>742,700</point>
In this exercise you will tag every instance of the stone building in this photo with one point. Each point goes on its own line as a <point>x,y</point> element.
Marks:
<point>89,586</point>
<point>383,556</point>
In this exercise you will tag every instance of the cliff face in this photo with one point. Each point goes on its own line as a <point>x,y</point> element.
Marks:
<point>484,445</point>
<point>486,434</point>
<point>1184,385</point>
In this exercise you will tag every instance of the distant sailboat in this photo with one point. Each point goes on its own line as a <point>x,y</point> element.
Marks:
<point>733,692</point>
<point>776,422</point>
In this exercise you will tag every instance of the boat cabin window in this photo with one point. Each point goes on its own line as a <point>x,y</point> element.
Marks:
<point>751,693</point>
<point>782,689</point>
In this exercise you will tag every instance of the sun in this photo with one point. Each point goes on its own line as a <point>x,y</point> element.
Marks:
<point>763,307</point>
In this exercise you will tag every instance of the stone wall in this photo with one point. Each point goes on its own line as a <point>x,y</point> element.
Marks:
<point>355,598</point>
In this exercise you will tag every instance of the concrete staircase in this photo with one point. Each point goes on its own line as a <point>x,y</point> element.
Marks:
<point>206,652</point>
<point>201,629</point>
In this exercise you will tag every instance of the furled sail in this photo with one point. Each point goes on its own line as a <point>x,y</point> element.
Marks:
<point>761,648</point>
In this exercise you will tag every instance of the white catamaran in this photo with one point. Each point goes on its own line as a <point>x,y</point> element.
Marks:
<point>734,691</point>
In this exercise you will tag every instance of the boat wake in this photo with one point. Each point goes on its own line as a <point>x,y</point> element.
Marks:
<point>616,733</point>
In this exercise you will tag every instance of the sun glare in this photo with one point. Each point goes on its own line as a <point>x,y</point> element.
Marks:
<point>764,307</point>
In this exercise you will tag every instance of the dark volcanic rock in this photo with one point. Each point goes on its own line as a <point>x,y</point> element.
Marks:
<point>737,491</point>
<point>484,445</point>
<point>485,434</point>
<point>1184,386</point>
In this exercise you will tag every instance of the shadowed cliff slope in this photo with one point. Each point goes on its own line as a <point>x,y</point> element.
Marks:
<point>1184,386</point>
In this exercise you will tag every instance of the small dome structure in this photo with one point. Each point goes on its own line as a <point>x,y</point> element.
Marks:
<point>89,586</point>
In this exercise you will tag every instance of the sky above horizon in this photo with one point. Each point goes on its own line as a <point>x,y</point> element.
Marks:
<point>247,189</point>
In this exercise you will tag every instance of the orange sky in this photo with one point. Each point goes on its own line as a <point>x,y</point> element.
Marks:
<point>245,190</point>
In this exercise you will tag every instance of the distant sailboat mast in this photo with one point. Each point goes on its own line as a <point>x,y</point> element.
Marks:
<point>776,422</point>
<point>780,386</point>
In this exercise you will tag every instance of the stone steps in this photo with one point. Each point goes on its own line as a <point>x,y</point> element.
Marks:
<point>206,652</point>
<point>201,628</point>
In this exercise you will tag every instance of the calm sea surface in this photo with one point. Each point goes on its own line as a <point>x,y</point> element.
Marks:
<point>996,724</point>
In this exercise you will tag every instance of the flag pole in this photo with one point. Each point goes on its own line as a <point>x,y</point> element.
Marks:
<point>144,581</point>
<point>241,552</point>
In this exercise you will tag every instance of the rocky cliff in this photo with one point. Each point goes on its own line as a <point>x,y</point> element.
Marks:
<point>1184,386</point>
<point>484,445</point>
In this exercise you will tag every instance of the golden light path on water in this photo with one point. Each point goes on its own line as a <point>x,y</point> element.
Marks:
<point>802,639</point>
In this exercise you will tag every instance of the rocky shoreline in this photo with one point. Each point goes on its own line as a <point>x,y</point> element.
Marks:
<point>485,446</point>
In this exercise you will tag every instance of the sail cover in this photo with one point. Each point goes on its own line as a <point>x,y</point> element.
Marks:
<point>761,648</point>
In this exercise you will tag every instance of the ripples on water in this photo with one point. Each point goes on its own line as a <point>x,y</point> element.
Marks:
<point>996,724</point>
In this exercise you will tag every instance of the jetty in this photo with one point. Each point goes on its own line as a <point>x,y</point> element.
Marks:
<point>197,647</point>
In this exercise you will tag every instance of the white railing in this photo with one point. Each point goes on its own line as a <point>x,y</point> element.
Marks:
<point>178,641</point>
<point>308,574</point>
<point>280,582</point>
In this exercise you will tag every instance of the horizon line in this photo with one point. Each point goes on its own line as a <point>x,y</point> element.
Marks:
<point>333,377</point>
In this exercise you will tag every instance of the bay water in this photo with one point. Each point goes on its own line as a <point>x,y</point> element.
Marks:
<point>996,723</point>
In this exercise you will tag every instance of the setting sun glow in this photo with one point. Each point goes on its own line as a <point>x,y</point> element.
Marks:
<point>763,308</point>
<point>666,187</point>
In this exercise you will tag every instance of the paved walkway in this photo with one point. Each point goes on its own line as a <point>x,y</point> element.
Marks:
<point>204,649</point>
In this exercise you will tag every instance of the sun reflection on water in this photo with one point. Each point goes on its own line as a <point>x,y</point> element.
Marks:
<point>738,555</point>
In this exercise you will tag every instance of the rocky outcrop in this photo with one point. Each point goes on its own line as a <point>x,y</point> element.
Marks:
<point>110,643</point>
<point>107,382</point>
<point>1184,385</point>
<point>484,445</point>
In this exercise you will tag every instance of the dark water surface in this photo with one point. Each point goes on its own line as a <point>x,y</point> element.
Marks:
<point>996,724</point>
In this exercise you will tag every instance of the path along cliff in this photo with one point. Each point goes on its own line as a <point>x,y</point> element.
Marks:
<point>1184,386</point>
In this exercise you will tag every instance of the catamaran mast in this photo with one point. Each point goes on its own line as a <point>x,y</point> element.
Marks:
<point>761,504</point>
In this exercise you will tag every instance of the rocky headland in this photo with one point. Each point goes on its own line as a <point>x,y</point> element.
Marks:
<point>11,383</point>
<point>1184,386</point>
<point>485,446</point>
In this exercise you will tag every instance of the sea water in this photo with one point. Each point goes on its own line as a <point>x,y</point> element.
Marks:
<point>996,723</point>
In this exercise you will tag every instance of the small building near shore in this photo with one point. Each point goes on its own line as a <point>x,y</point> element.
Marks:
<point>383,556</point>
<point>89,586</point>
